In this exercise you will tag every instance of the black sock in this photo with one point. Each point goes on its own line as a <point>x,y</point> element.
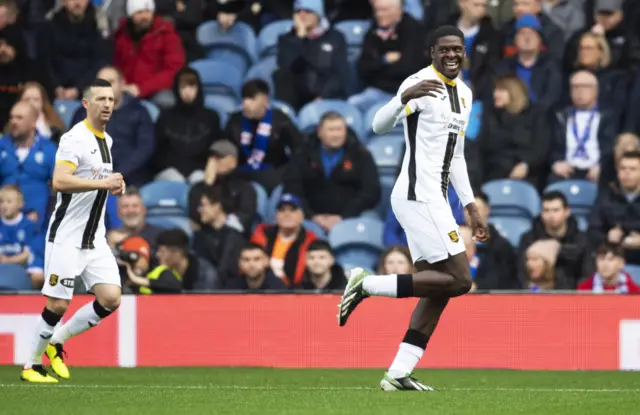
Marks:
<point>100,310</point>
<point>416,338</point>
<point>50,317</point>
<point>405,285</point>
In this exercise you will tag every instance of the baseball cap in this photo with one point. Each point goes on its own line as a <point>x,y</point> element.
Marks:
<point>530,21</point>
<point>608,6</point>
<point>290,199</point>
<point>223,148</point>
<point>136,244</point>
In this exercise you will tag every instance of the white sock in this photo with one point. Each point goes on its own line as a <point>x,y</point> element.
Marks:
<point>381,285</point>
<point>84,319</point>
<point>406,360</point>
<point>42,337</point>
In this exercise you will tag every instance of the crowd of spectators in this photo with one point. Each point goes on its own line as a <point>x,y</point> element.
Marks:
<point>556,95</point>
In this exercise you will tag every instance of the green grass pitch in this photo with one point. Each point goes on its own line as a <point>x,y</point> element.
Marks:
<point>159,391</point>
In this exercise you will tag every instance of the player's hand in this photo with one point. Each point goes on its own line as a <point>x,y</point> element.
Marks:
<point>113,182</point>
<point>119,191</point>
<point>479,226</point>
<point>428,88</point>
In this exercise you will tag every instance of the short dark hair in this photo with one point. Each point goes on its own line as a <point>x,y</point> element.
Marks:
<point>631,155</point>
<point>320,245</point>
<point>96,83</point>
<point>606,248</point>
<point>328,116</point>
<point>555,195</point>
<point>252,246</point>
<point>213,194</point>
<point>174,238</point>
<point>132,191</point>
<point>254,87</point>
<point>444,31</point>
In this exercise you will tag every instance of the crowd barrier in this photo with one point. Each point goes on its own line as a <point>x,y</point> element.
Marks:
<point>535,332</point>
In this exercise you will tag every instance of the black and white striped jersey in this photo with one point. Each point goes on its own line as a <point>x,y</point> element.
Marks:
<point>78,218</point>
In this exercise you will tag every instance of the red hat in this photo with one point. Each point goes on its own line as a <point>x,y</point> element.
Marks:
<point>136,244</point>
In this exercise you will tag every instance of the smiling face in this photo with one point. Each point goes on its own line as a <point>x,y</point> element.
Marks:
<point>448,54</point>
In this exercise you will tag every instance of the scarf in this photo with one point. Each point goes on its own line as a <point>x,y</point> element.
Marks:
<point>320,30</point>
<point>255,149</point>
<point>621,284</point>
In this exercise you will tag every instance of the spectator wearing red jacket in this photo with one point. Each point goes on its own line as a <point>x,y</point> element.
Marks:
<point>610,275</point>
<point>149,53</point>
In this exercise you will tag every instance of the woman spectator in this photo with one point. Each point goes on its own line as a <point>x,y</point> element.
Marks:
<point>594,54</point>
<point>625,142</point>
<point>540,269</point>
<point>395,260</point>
<point>49,123</point>
<point>515,137</point>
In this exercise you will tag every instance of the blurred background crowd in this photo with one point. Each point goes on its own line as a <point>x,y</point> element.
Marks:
<point>243,131</point>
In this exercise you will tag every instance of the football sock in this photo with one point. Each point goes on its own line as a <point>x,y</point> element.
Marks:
<point>86,317</point>
<point>409,354</point>
<point>394,285</point>
<point>44,330</point>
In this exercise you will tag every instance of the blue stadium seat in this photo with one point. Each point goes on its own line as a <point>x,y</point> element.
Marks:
<point>65,109</point>
<point>387,153</point>
<point>262,200</point>
<point>354,32</point>
<point>264,70</point>
<point>287,109</point>
<point>511,228</point>
<point>165,198</point>
<point>276,193</point>
<point>223,105</point>
<point>152,109</point>
<point>513,198</point>
<point>368,122</point>
<point>310,114</point>
<point>268,37</point>
<point>386,183</point>
<point>357,241</point>
<point>634,271</point>
<point>315,228</point>
<point>14,278</point>
<point>238,45</point>
<point>219,77</point>
<point>580,194</point>
<point>172,222</point>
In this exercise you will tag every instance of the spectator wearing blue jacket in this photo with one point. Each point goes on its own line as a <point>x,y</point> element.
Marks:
<point>393,233</point>
<point>312,58</point>
<point>27,161</point>
<point>132,130</point>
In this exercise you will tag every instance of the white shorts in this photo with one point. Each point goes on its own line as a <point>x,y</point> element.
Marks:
<point>432,232</point>
<point>63,263</point>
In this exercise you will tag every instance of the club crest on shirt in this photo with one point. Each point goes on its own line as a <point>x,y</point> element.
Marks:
<point>39,157</point>
<point>53,279</point>
<point>453,235</point>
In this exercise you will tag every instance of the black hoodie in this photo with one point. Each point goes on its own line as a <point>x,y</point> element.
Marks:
<point>185,132</point>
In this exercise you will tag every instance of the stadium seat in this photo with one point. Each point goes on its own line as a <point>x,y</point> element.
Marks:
<point>386,183</point>
<point>634,271</point>
<point>354,32</point>
<point>65,109</point>
<point>315,228</point>
<point>580,194</point>
<point>14,278</point>
<point>357,241</point>
<point>368,122</point>
<point>264,70</point>
<point>387,153</point>
<point>165,198</point>
<point>262,200</point>
<point>237,45</point>
<point>513,198</point>
<point>274,198</point>
<point>172,222</point>
<point>223,105</point>
<point>310,114</point>
<point>268,37</point>
<point>219,77</point>
<point>511,228</point>
<point>152,109</point>
<point>287,109</point>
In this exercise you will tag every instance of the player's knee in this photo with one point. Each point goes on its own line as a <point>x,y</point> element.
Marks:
<point>110,302</point>
<point>465,285</point>
<point>57,305</point>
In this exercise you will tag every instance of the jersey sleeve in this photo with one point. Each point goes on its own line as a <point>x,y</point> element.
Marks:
<point>459,173</point>
<point>69,152</point>
<point>388,116</point>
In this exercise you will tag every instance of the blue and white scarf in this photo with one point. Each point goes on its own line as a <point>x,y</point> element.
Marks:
<point>255,149</point>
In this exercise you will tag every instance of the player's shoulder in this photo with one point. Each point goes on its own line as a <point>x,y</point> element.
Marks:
<point>464,90</point>
<point>421,75</point>
<point>108,138</point>
<point>76,135</point>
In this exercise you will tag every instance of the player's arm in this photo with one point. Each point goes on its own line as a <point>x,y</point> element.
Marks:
<point>460,175</point>
<point>66,182</point>
<point>408,101</point>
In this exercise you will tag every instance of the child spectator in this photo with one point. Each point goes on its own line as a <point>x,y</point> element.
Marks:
<point>19,240</point>
<point>255,273</point>
<point>322,273</point>
<point>395,260</point>
<point>610,275</point>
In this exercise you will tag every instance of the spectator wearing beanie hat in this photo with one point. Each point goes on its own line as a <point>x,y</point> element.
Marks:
<point>541,273</point>
<point>149,53</point>
<point>312,58</point>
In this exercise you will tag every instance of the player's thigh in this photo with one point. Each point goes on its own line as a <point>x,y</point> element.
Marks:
<point>62,264</point>
<point>101,269</point>
<point>425,243</point>
<point>446,228</point>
